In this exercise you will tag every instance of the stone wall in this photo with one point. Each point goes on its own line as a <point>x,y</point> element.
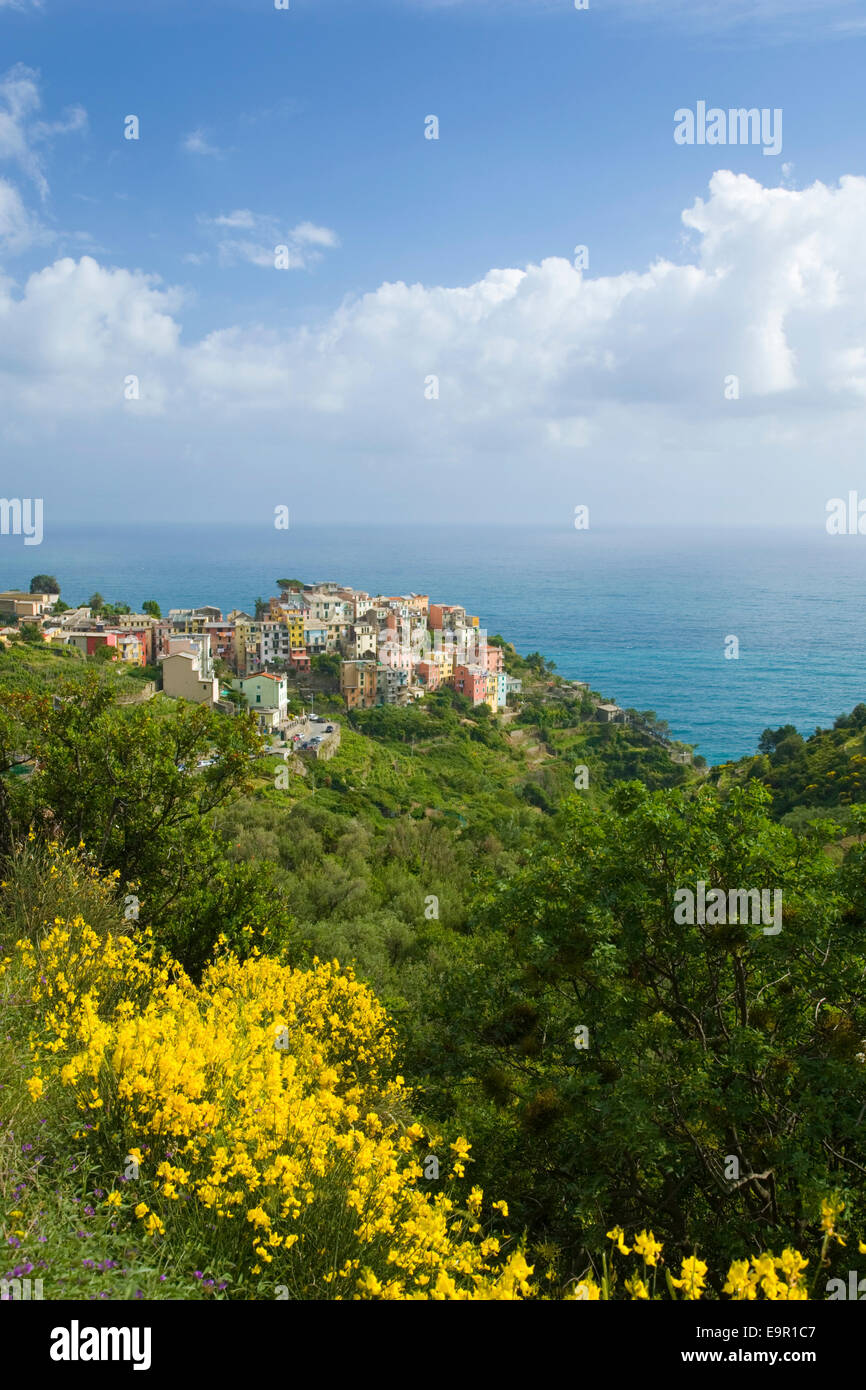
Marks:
<point>325,750</point>
<point>146,692</point>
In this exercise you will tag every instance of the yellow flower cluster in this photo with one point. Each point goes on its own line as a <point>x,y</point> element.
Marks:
<point>831,1209</point>
<point>257,1105</point>
<point>258,1102</point>
<point>776,1277</point>
<point>78,976</point>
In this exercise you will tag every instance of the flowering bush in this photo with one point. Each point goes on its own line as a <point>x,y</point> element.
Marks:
<point>775,1277</point>
<point>255,1105</point>
<point>249,1123</point>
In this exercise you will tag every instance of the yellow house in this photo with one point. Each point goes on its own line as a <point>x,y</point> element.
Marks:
<point>248,636</point>
<point>444,659</point>
<point>294,621</point>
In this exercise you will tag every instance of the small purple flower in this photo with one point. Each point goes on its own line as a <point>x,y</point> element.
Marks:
<point>88,1264</point>
<point>198,1274</point>
<point>25,1148</point>
<point>162,1278</point>
<point>13,1241</point>
<point>88,1211</point>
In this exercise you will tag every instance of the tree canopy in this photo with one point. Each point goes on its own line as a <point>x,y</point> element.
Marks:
<point>44,584</point>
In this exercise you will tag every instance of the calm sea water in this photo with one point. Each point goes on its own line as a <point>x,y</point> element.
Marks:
<point>642,614</point>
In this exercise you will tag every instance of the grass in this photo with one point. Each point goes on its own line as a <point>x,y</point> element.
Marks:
<point>27,667</point>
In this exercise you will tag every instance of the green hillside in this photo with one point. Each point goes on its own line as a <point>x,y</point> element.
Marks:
<point>510,992</point>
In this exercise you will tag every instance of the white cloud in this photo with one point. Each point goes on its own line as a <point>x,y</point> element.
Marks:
<point>196,143</point>
<point>75,119</point>
<point>308,234</point>
<point>20,132</point>
<point>19,229</point>
<point>301,243</point>
<point>241,218</point>
<point>554,387</point>
<point>19,102</point>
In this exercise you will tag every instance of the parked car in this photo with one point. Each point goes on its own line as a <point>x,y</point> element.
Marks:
<point>330,729</point>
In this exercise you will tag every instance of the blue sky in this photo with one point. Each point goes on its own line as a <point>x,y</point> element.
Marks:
<point>306,127</point>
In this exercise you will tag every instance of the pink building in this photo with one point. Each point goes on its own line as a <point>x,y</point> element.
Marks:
<point>88,642</point>
<point>493,659</point>
<point>471,682</point>
<point>429,674</point>
<point>133,644</point>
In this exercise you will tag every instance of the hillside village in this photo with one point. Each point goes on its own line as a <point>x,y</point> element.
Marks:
<point>376,650</point>
<point>389,649</point>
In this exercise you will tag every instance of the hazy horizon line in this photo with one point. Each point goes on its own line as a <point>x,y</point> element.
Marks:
<point>380,523</point>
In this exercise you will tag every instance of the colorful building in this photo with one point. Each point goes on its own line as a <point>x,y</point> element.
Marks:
<point>187,670</point>
<point>430,674</point>
<point>358,684</point>
<point>89,642</point>
<point>266,695</point>
<point>478,685</point>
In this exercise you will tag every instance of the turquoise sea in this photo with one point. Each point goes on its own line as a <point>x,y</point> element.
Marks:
<point>642,614</point>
